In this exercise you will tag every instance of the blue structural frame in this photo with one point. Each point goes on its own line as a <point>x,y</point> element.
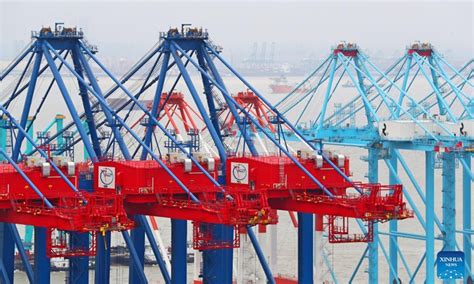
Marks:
<point>380,97</point>
<point>60,44</point>
<point>42,263</point>
<point>430,214</point>
<point>467,211</point>
<point>191,48</point>
<point>373,252</point>
<point>217,267</point>
<point>305,248</point>
<point>178,247</point>
<point>52,47</point>
<point>219,262</point>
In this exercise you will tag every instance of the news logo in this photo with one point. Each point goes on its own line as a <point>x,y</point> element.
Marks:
<point>450,264</point>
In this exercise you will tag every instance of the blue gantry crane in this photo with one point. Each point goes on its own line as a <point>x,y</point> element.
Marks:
<point>50,52</point>
<point>105,131</point>
<point>385,113</point>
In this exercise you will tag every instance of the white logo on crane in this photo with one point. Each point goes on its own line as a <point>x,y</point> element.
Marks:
<point>239,173</point>
<point>106,177</point>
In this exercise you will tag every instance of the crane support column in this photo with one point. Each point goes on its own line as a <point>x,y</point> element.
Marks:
<point>42,262</point>
<point>467,215</point>
<point>393,226</point>
<point>138,239</point>
<point>430,216</point>
<point>59,119</point>
<point>217,263</point>
<point>79,266</point>
<point>7,250</point>
<point>6,238</point>
<point>102,259</point>
<point>373,176</point>
<point>305,248</point>
<point>178,251</point>
<point>449,203</point>
<point>3,135</point>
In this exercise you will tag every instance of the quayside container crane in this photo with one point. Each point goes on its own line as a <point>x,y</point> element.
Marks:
<point>394,117</point>
<point>112,144</point>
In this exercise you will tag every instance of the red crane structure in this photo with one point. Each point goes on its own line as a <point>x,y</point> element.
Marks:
<point>238,188</point>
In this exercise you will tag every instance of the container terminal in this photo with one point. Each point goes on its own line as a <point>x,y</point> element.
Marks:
<point>184,171</point>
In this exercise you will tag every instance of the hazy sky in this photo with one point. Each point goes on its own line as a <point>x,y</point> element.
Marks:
<point>129,28</point>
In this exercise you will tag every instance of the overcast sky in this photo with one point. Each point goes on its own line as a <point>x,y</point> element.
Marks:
<point>128,29</point>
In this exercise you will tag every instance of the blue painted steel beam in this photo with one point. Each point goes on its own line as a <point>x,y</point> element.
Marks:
<point>364,73</point>
<point>79,266</point>
<point>370,113</point>
<point>460,85</point>
<point>328,92</point>
<point>406,235</point>
<point>20,79</point>
<point>140,274</point>
<point>156,103</point>
<point>429,133</point>
<point>449,210</point>
<point>42,266</point>
<point>217,264</point>
<point>21,251</point>
<point>393,224</point>
<point>156,251</point>
<point>26,178</point>
<point>304,81</point>
<point>415,183</point>
<point>154,119</point>
<point>417,269</point>
<point>261,256</point>
<point>214,116</point>
<point>387,258</point>
<point>459,95</point>
<point>347,105</point>
<point>274,110</point>
<point>68,101</point>
<point>215,136</point>
<point>41,152</point>
<point>373,170</point>
<point>359,263</point>
<point>255,122</point>
<point>330,267</point>
<point>7,251</point>
<point>443,107</point>
<point>92,129</point>
<point>312,94</point>
<point>102,259</point>
<point>102,270</point>
<point>449,202</point>
<point>179,246</point>
<point>430,215</point>
<point>457,72</point>
<point>136,267</point>
<point>424,111</point>
<point>17,61</point>
<point>404,84</point>
<point>27,105</point>
<point>93,81</point>
<point>232,108</point>
<point>467,212</point>
<point>133,134</point>
<point>3,272</point>
<point>27,84</point>
<point>305,248</point>
<point>110,92</point>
